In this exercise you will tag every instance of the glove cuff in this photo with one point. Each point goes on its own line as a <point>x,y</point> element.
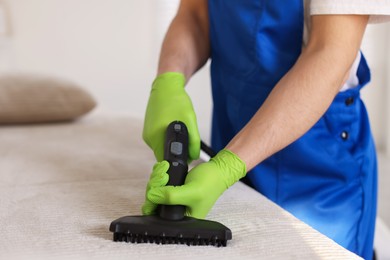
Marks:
<point>233,168</point>
<point>170,81</point>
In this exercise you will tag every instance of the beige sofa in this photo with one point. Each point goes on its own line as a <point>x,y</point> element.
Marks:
<point>62,184</point>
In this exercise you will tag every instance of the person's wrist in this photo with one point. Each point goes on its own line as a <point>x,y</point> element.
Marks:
<point>169,80</point>
<point>232,167</point>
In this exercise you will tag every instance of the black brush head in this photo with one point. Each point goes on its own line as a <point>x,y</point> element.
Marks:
<point>153,229</point>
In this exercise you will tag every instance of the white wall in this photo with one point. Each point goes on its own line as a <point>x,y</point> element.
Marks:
<point>387,69</point>
<point>376,46</point>
<point>103,44</point>
<point>111,47</point>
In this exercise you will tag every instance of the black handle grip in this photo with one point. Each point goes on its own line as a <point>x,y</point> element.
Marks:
<point>176,153</point>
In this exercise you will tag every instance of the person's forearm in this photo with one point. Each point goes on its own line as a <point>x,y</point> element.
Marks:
<point>186,46</point>
<point>295,104</point>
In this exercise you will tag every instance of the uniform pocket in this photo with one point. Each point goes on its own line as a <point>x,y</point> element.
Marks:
<point>337,136</point>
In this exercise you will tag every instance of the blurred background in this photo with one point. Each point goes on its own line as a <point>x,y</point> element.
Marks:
<point>110,47</point>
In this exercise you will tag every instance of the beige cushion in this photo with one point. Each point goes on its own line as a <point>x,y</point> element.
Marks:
<point>36,99</point>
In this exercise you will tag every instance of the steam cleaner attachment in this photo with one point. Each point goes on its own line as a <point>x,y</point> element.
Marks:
<point>170,226</point>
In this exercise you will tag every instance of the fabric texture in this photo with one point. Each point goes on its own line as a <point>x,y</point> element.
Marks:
<point>36,99</point>
<point>379,10</point>
<point>61,185</point>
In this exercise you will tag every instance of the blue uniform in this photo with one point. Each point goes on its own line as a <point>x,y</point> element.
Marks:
<point>327,178</point>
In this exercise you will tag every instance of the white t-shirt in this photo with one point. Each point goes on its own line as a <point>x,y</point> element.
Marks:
<point>379,11</point>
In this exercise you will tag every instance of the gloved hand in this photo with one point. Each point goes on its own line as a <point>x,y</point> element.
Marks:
<point>203,185</point>
<point>169,101</point>
<point>158,178</point>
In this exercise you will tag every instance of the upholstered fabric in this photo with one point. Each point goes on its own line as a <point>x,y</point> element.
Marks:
<point>62,184</point>
<point>30,99</point>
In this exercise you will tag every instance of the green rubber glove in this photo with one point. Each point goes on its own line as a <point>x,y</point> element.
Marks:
<point>203,185</point>
<point>158,178</point>
<point>168,102</point>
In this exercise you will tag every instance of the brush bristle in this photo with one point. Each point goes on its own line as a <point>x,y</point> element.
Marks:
<point>162,239</point>
<point>153,229</point>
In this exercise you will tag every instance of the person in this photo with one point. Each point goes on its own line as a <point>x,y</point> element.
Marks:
<point>286,79</point>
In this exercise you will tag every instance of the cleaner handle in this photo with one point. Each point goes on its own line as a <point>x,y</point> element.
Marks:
<point>176,153</point>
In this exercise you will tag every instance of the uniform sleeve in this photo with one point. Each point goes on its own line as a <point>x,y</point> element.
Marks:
<point>379,10</point>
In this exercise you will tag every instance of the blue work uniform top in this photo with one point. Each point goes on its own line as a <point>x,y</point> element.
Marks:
<point>327,178</point>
